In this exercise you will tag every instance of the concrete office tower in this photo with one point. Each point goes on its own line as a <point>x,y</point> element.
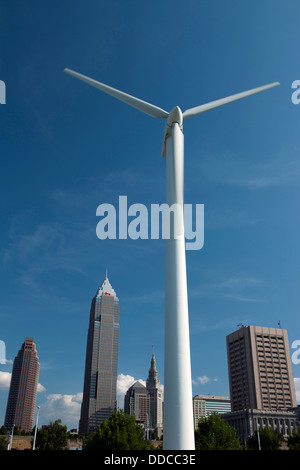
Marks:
<point>137,403</point>
<point>23,388</point>
<point>260,369</point>
<point>101,367</point>
<point>205,405</point>
<point>155,395</point>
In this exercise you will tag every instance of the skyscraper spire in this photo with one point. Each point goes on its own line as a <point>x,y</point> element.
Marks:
<point>106,289</point>
<point>153,373</point>
<point>155,393</point>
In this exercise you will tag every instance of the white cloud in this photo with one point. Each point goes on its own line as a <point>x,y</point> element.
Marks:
<point>40,388</point>
<point>4,380</point>
<point>64,407</point>
<point>204,380</point>
<point>124,382</point>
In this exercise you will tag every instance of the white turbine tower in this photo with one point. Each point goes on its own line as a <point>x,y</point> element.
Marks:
<point>178,411</point>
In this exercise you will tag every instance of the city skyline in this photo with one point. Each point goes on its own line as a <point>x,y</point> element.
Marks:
<point>65,149</point>
<point>251,347</point>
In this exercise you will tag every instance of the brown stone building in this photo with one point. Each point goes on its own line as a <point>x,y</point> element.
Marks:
<point>260,369</point>
<point>23,388</point>
<point>262,389</point>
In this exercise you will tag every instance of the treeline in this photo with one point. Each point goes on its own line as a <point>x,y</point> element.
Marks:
<point>120,432</point>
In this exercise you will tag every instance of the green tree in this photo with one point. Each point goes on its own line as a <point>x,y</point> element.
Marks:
<point>20,432</point>
<point>294,440</point>
<point>119,432</point>
<point>269,438</point>
<point>3,439</point>
<point>214,433</point>
<point>52,437</point>
<point>3,443</point>
<point>3,431</point>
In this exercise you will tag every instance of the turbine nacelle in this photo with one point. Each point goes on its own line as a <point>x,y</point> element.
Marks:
<point>175,116</point>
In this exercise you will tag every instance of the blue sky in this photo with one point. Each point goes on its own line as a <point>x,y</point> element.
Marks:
<point>66,148</point>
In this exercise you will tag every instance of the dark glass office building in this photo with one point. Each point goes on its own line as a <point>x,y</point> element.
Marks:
<point>23,388</point>
<point>101,367</point>
<point>137,403</point>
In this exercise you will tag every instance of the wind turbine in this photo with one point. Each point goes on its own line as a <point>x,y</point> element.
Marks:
<point>178,410</point>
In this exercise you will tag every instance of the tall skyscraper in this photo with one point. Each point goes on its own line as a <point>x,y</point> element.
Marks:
<point>137,403</point>
<point>260,369</point>
<point>23,388</point>
<point>101,367</point>
<point>155,394</point>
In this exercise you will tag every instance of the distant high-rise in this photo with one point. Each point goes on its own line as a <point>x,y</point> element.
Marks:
<point>137,403</point>
<point>23,388</point>
<point>205,405</point>
<point>101,367</point>
<point>260,369</point>
<point>155,394</point>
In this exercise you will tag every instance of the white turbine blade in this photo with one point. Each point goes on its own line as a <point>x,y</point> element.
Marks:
<point>141,105</point>
<point>215,104</point>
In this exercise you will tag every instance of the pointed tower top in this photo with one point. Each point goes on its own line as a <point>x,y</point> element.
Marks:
<point>153,361</point>
<point>152,381</point>
<point>106,288</point>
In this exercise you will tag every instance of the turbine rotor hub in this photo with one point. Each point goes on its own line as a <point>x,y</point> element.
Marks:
<point>175,116</point>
